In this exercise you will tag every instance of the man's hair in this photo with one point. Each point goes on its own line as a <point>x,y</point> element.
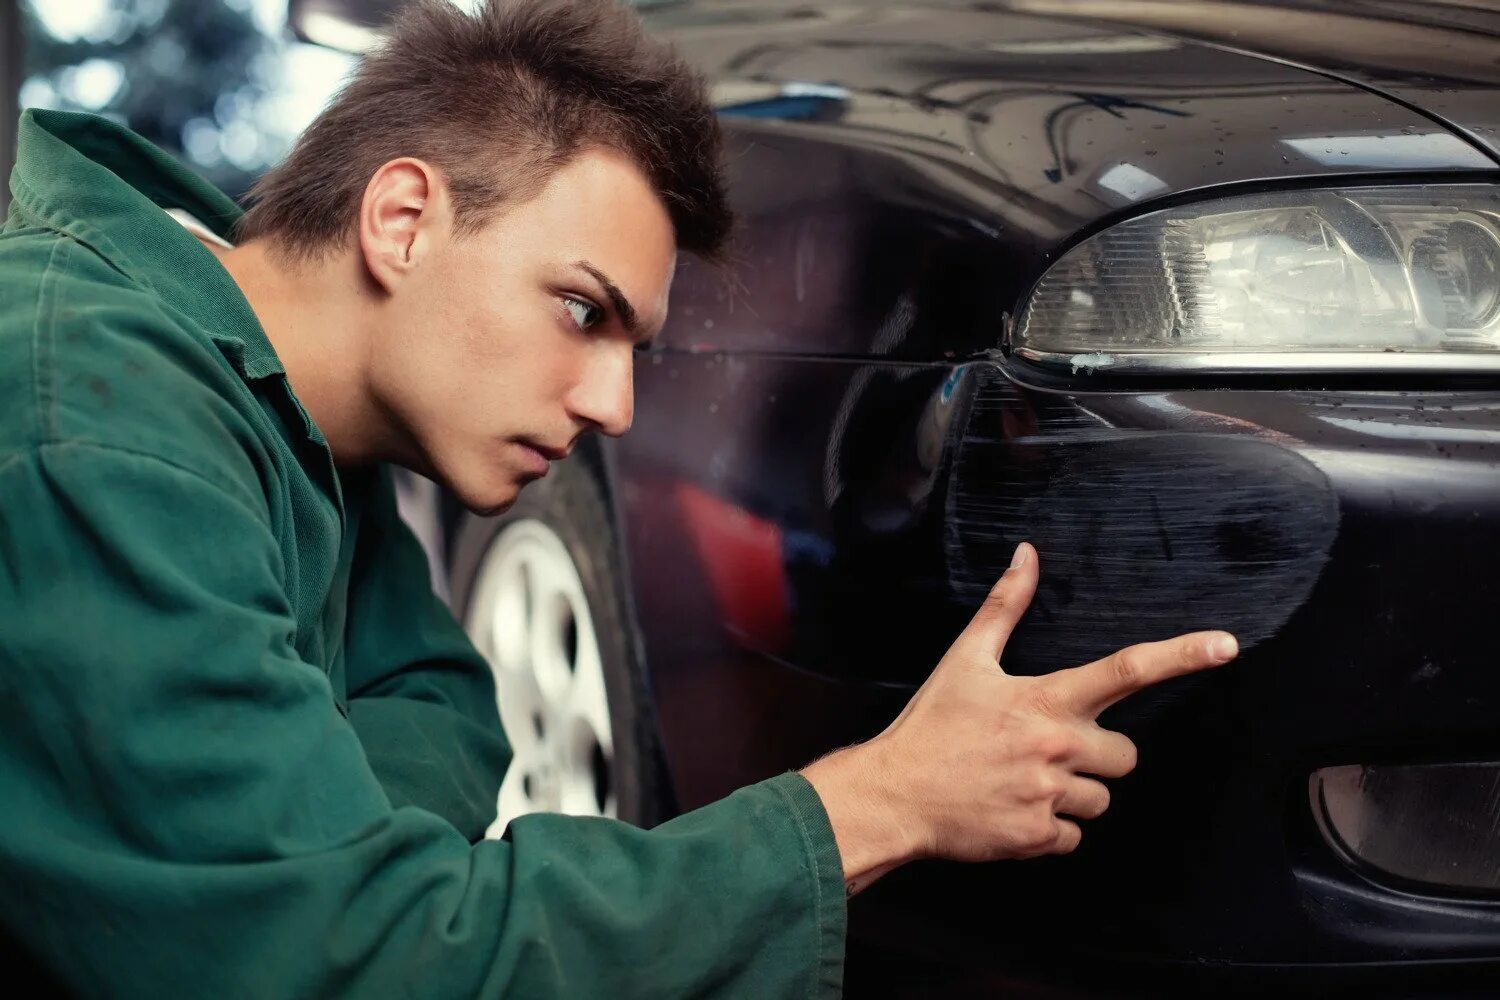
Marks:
<point>498,100</point>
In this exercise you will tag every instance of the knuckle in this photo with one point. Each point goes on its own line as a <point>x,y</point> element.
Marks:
<point>1044,701</point>
<point>998,599</point>
<point>1052,743</point>
<point>1045,786</point>
<point>1127,667</point>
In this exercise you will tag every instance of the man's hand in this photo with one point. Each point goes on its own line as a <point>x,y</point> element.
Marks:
<point>982,766</point>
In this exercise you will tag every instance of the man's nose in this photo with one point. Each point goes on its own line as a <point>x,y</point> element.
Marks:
<point>605,397</point>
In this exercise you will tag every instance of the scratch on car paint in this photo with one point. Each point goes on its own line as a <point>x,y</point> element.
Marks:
<point>1089,363</point>
<point>802,262</point>
<point>1142,533</point>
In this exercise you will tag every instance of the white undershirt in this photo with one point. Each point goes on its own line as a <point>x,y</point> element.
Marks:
<point>191,224</point>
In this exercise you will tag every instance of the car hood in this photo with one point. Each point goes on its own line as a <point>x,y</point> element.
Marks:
<point>1438,56</point>
<point>1043,123</point>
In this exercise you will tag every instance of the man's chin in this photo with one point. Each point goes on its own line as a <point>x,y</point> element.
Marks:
<point>491,501</point>
<point>485,496</point>
<point>490,506</point>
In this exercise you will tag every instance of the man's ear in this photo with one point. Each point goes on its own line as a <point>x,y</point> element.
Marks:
<point>405,211</point>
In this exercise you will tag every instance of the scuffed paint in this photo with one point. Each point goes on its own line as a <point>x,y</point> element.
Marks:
<point>1143,533</point>
<point>1089,363</point>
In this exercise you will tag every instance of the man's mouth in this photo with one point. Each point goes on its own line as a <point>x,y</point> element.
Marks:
<point>552,454</point>
<point>535,459</point>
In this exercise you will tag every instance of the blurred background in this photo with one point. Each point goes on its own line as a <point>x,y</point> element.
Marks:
<point>222,84</point>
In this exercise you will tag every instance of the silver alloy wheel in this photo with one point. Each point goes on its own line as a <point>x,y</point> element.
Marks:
<point>530,619</point>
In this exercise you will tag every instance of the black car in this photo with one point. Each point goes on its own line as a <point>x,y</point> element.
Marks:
<point>1201,298</point>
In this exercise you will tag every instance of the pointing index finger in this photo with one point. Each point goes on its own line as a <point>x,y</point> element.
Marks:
<point>1092,688</point>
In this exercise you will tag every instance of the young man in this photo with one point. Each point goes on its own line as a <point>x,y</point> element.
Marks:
<point>245,750</point>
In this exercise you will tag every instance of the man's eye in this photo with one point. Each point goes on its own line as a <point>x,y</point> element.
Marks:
<point>585,314</point>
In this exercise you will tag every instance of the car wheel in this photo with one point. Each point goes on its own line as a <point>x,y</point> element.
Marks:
<point>541,592</point>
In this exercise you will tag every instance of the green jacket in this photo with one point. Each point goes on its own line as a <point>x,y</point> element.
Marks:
<point>244,752</point>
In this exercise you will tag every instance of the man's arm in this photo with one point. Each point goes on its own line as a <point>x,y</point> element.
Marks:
<point>980,766</point>
<point>420,696</point>
<point>188,809</point>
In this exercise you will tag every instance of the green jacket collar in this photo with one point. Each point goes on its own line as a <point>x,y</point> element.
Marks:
<point>105,186</point>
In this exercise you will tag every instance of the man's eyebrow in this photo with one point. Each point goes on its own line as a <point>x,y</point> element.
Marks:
<point>617,298</point>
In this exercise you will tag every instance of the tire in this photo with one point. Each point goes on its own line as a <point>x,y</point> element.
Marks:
<point>494,559</point>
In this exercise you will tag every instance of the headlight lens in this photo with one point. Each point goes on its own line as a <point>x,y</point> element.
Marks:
<point>1322,277</point>
<point>1433,824</point>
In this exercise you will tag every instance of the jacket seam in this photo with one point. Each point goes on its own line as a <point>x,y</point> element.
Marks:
<point>42,336</point>
<point>85,236</point>
<point>59,444</point>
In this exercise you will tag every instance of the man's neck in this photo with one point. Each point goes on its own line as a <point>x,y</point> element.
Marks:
<point>311,315</point>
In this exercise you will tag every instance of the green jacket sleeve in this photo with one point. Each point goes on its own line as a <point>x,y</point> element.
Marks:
<point>420,697</point>
<point>188,810</point>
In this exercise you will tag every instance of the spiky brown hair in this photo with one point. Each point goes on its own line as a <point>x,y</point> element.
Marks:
<point>498,99</point>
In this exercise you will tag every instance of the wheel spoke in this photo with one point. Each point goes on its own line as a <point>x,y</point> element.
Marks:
<point>518,702</point>
<point>587,698</point>
<point>506,628</point>
<point>550,609</point>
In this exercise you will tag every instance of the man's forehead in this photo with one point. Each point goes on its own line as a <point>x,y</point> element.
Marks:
<point>602,218</point>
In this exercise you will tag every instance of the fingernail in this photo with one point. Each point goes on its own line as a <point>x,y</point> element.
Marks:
<point>1019,559</point>
<point>1224,648</point>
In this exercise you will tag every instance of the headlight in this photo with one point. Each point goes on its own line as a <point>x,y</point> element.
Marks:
<point>1355,279</point>
<point>1433,824</point>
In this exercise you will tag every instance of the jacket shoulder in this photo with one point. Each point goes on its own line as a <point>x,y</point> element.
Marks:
<point>88,354</point>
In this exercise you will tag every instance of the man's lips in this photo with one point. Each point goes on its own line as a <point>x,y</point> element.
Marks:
<point>536,463</point>
<point>539,456</point>
<point>551,454</point>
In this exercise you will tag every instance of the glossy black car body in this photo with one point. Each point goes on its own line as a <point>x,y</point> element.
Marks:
<point>831,464</point>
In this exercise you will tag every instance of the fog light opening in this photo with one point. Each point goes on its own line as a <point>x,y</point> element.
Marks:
<point>1431,826</point>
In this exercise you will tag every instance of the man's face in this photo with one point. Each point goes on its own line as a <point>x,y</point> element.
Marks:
<point>520,338</point>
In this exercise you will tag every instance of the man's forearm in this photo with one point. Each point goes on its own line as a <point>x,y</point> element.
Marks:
<point>862,807</point>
